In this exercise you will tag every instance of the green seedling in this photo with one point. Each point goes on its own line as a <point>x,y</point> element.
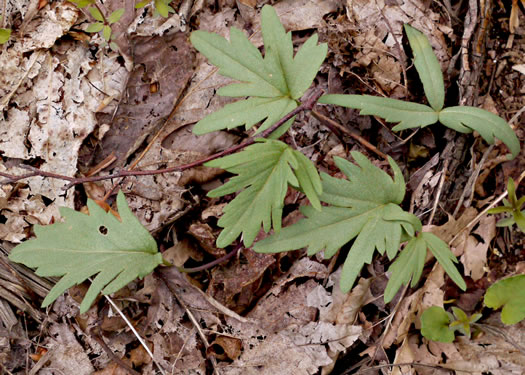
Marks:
<point>463,119</point>
<point>102,23</point>
<point>370,216</point>
<point>162,7</point>
<point>439,325</point>
<point>513,206</point>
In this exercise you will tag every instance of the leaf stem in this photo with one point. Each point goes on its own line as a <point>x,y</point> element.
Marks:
<point>213,263</point>
<point>307,105</point>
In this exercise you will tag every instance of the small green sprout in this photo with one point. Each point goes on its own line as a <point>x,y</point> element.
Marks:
<point>439,325</point>
<point>162,7</point>
<point>514,206</point>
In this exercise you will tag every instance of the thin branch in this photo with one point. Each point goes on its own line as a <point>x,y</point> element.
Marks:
<point>335,127</point>
<point>307,105</point>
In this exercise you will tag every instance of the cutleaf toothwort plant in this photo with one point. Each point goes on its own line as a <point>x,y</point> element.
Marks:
<point>364,208</point>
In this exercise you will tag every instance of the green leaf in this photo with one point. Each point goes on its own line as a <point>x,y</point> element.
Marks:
<point>408,265</point>
<point>162,7</point>
<point>371,215</point>
<point>116,15</point>
<point>5,34</point>
<point>487,124</point>
<point>239,59</point>
<point>96,14</point>
<point>248,113</point>
<point>299,72</point>
<point>445,257</point>
<point>95,27</point>
<point>106,33</point>
<point>264,170</point>
<point>509,293</point>
<point>407,114</point>
<point>82,3</point>
<point>500,209</point>
<point>142,4</point>
<point>507,222</point>
<point>519,218</point>
<point>427,66</point>
<point>434,325</point>
<point>274,82</point>
<point>114,47</point>
<point>86,245</point>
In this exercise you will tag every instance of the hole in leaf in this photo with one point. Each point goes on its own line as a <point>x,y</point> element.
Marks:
<point>103,230</point>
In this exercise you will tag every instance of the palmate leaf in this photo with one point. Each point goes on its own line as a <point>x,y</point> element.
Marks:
<point>264,170</point>
<point>487,124</point>
<point>365,207</point>
<point>278,77</point>
<point>409,264</point>
<point>411,115</point>
<point>86,245</point>
<point>406,114</point>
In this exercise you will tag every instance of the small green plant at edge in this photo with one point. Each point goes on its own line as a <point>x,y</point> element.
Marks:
<point>162,7</point>
<point>264,171</point>
<point>513,206</point>
<point>439,325</point>
<point>102,23</point>
<point>5,34</point>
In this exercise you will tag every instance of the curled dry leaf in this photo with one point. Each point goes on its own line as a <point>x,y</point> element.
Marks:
<point>238,284</point>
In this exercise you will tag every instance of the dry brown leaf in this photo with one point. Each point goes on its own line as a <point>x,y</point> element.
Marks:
<point>64,353</point>
<point>376,39</point>
<point>230,348</point>
<point>166,61</point>
<point>474,251</point>
<point>248,3</point>
<point>404,354</point>
<point>206,238</point>
<point>238,284</point>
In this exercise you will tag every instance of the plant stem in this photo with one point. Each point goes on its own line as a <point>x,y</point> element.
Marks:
<point>213,263</point>
<point>307,105</point>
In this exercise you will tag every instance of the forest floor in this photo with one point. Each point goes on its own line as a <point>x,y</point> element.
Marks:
<point>73,106</point>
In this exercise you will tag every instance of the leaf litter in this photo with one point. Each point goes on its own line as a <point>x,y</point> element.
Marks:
<point>310,339</point>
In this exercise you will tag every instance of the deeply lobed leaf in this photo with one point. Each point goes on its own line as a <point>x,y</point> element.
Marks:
<point>82,246</point>
<point>274,82</point>
<point>370,215</point>
<point>264,170</point>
